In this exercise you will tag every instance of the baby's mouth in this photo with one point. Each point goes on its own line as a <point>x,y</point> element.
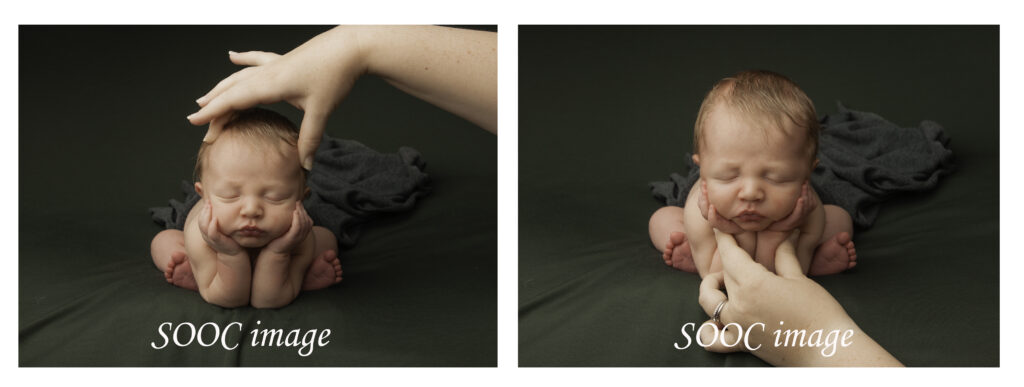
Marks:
<point>250,231</point>
<point>749,216</point>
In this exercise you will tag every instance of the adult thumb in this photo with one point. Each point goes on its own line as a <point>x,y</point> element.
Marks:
<point>310,133</point>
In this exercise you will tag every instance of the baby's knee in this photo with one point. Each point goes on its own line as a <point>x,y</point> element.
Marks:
<point>837,218</point>
<point>667,214</point>
<point>167,239</point>
<point>325,240</point>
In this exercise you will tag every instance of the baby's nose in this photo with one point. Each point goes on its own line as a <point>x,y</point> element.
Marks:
<point>252,209</point>
<point>751,191</point>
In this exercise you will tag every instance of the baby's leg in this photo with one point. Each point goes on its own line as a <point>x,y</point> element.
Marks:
<point>669,235</point>
<point>168,250</point>
<point>835,252</point>
<point>326,268</point>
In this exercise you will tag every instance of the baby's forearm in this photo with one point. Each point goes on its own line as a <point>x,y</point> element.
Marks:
<point>229,284</point>
<point>273,282</point>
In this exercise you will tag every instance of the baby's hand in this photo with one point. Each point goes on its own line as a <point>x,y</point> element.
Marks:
<point>804,206</point>
<point>210,229</point>
<point>299,230</point>
<point>708,210</point>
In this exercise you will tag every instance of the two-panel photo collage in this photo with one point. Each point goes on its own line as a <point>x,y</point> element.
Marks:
<point>683,196</point>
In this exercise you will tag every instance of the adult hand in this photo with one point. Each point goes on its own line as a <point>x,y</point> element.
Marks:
<point>209,227</point>
<point>453,69</point>
<point>804,206</point>
<point>708,211</point>
<point>313,77</point>
<point>297,232</point>
<point>786,301</point>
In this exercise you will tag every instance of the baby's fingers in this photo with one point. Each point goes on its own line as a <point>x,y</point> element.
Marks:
<point>702,199</point>
<point>722,224</point>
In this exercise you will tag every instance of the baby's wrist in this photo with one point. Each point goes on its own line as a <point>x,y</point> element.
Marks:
<point>233,257</point>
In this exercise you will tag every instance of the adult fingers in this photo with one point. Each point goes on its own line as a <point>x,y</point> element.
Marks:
<point>711,293</point>
<point>737,264</point>
<point>216,127</point>
<point>223,85</point>
<point>252,58</point>
<point>786,263</point>
<point>310,134</point>
<point>238,97</point>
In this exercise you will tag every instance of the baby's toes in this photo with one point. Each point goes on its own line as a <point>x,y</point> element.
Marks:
<point>677,238</point>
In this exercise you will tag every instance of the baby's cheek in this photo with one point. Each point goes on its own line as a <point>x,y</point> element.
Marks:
<point>721,199</point>
<point>785,204</point>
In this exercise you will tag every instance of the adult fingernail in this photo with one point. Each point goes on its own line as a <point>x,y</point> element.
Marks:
<point>307,163</point>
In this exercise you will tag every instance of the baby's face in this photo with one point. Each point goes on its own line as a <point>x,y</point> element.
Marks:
<point>253,189</point>
<point>754,176</point>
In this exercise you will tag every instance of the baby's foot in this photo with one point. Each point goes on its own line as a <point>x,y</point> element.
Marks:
<point>179,272</point>
<point>834,256</point>
<point>323,272</point>
<point>677,253</point>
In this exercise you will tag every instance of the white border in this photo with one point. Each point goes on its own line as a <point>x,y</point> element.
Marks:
<point>508,15</point>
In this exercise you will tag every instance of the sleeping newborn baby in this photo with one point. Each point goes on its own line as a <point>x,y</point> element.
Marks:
<point>755,140</point>
<point>249,240</point>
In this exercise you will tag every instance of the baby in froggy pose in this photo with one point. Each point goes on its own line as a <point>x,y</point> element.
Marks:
<point>756,141</point>
<point>248,240</point>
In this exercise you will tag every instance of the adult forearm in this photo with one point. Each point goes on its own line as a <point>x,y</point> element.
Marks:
<point>454,69</point>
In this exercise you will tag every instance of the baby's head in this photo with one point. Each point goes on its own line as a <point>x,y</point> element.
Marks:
<point>252,177</point>
<point>755,139</point>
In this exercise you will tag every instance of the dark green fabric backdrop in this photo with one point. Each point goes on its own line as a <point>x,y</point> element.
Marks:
<point>605,110</point>
<point>103,137</point>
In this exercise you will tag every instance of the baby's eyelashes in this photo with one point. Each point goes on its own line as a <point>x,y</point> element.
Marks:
<point>227,198</point>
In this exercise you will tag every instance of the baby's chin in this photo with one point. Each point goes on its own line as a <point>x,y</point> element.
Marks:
<point>753,226</point>
<point>252,242</point>
<point>249,244</point>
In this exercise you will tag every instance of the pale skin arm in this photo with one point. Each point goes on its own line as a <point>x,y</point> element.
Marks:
<point>453,69</point>
<point>221,268</point>
<point>281,265</point>
<point>759,296</point>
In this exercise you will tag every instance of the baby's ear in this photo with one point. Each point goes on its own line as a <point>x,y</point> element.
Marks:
<point>815,164</point>
<point>696,159</point>
<point>199,189</point>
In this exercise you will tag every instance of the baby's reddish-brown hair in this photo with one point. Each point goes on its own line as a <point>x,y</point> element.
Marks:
<point>760,94</point>
<point>261,127</point>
